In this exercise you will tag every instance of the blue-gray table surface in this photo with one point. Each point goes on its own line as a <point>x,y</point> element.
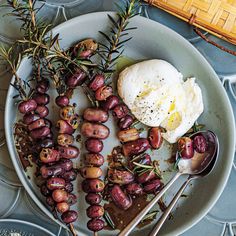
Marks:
<point>15,202</point>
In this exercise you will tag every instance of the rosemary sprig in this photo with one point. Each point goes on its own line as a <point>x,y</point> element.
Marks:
<point>39,44</point>
<point>118,36</point>
<point>13,59</point>
<point>109,220</point>
<point>150,216</point>
<point>177,162</point>
<point>142,168</point>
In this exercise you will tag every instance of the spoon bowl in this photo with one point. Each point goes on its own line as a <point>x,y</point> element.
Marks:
<point>193,167</point>
<point>175,199</point>
<point>200,161</point>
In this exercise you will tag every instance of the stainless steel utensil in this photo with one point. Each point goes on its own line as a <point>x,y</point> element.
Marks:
<point>193,166</point>
<point>166,213</point>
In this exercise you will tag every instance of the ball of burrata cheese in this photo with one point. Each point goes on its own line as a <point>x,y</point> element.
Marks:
<point>157,95</point>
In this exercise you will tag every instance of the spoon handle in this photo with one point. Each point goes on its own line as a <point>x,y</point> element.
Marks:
<point>145,210</point>
<point>164,216</point>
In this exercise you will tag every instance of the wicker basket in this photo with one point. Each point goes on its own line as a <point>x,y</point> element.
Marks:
<point>215,16</point>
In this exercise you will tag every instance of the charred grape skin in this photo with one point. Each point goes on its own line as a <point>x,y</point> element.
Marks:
<point>60,195</point>
<point>185,147</point>
<point>93,130</point>
<point>49,155</point>
<point>64,127</point>
<point>92,185</point>
<point>97,82</point>
<point>128,135</point>
<point>36,124</point>
<point>30,118</point>
<point>67,113</point>
<point>45,143</point>
<point>47,171</point>
<point>54,183</point>
<point>95,211</point>
<point>94,145</point>
<point>45,191</point>
<point>40,133</point>
<point>110,103</point>
<point>146,176</point>
<point>119,198</point>
<point>135,147</point>
<point>152,186</point>
<point>155,138</point>
<point>50,201</point>
<point>42,86</point>
<point>125,122</point>
<point>200,144</point>
<point>74,122</point>
<point>62,101</point>
<point>69,152</point>
<point>120,176</point>
<point>72,199</point>
<point>65,139</point>
<point>90,172</point>
<point>95,115</point>
<point>93,198</point>
<point>27,106</point>
<point>56,169</point>
<point>66,164</point>
<point>85,48</point>
<point>103,93</point>
<point>76,79</point>
<point>134,189</point>
<point>95,225</point>
<point>69,216</point>
<point>48,123</point>
<point>41,99</point>
<point>94,159</point>
<point>50,136</point>
<point>62,207</point>
<point>69,175</point>
<point>69,187</point>
<point>120,111</point>
<point>42,111</point>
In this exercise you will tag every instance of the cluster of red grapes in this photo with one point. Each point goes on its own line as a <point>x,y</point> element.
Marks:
<point>58,168</point>
<point>55,163</point>
<point>54,160</point>
<point>125,184</point>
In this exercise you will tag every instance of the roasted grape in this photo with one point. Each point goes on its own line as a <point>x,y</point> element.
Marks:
<point>95,115</point>
<point>93,130</point>
<point>91,172</point>
<point>69,216</point>
<point>93,185</point>
<point>94,145</point>
<point>93,198</point>
<point>119,198</point>
<point>95,211</point>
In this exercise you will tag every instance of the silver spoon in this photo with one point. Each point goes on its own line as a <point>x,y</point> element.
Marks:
<point>168,210</point>
<point>193,166</point>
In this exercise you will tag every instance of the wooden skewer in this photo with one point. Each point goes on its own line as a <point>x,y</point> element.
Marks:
<point>72,229</point>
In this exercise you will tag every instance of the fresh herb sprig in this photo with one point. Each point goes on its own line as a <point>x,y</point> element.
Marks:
<point>13,58</point>
<point>141,168</point>
<point>118,35</point>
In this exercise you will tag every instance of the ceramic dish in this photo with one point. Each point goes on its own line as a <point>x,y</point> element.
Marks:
<point>150,40</point>
<point>15,227</point>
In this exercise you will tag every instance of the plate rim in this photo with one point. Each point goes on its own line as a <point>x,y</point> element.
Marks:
<point>28,223</point>
<point>203,212</point>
